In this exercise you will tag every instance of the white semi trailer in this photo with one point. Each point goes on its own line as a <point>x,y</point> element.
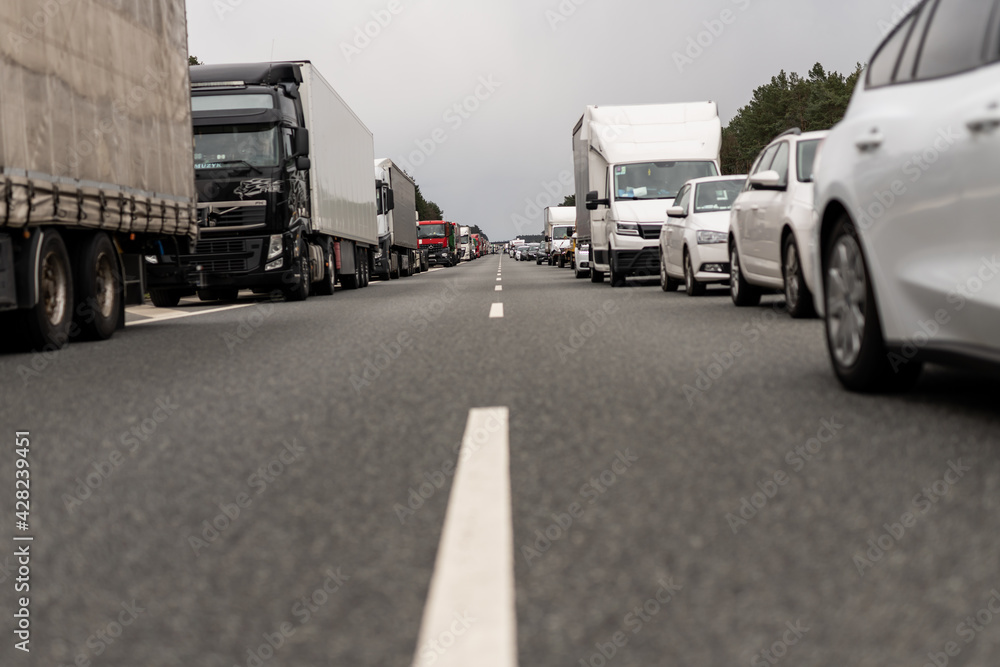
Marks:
<point>396,194</point>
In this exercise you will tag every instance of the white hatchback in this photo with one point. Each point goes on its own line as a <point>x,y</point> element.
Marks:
<point>693,249</point>
<point>908,203</point>
<point>771,222</point>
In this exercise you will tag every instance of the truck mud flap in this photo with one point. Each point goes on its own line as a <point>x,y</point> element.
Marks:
<point>8,286</point>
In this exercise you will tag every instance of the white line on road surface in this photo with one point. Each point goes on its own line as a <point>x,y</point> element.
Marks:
<point>499,279</point>
<point>496,311</point>
<point>473,578</point>
<point>162,315</point>
<point>498,288</point>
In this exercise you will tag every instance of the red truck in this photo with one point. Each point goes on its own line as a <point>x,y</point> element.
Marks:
<point>440,238</point>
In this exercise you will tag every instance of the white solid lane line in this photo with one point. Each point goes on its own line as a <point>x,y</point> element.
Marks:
<point>470,617</point>
<point>496,311</point>
<point>162,314</point>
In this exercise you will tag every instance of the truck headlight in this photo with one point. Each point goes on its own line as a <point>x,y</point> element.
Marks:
<point>275,265</point>
<point>627,228</point>
<point>709,238</point>
<point>276,248</point>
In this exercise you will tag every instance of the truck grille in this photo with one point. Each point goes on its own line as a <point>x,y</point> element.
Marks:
<point>221,247</point>
<point>225,265</point>
<point>226,255</point>
<point>243,215</point>
<point>650,231</point>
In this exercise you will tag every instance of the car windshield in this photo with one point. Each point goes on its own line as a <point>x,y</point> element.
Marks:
<point>431,231</point>
<point>807,158</point>
<point>658,180</point>
<point>561,233</point>
<point>216,147</point>
<point>717,195</point>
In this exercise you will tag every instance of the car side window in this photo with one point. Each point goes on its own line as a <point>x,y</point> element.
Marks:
<point>683,197</point>
<point>905,71</point>
<point>780,163</point>
<point>883,64</point>
<point>764,163</point>
<point>955,38</point>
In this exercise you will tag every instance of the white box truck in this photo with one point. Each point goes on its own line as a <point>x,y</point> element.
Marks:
<point>629,163</point>
<point>396,196</point>
<point>96,164</point>
<point>283,169</point>
<point>560,222</point>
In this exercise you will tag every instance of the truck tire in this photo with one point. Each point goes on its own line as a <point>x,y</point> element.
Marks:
<point>300,292</point>
<point>394,275</point>
<point>356,279</point>
<point>366,271</point>
<point>98,288</point>
<point>616,278</point>
<point>47,325</point>
<point>328,285</point>
<point>165,298</point>
<point>562,261</point>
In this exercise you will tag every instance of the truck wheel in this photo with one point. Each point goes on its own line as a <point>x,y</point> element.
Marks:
<point>617,278</point>
<point>365,269</point>
<point>47,325</point>
<point>98,288</point>
<point>165,298</point>
<point>300,292</point>
<point>595,275</point>
<point>327,286</point>
<point>394,275</point>
<point>356,279</point>
<point>562,261</point>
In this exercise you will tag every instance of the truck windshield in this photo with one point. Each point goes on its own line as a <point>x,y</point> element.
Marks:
<point>561,233</point>
<point>218,146</point>
<point>431,231</point>
<point>465,239</point>
<point>657,180</point>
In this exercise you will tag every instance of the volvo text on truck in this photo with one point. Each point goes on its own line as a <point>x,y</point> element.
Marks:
<point>629,163</point>
<point>284,176</point>
<point>397,252</point>
<point>95,163</point>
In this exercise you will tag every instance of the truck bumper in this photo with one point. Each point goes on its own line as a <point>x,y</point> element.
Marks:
<point>238,262</point>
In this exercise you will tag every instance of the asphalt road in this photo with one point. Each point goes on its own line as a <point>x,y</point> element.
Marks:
<point>648,420</point>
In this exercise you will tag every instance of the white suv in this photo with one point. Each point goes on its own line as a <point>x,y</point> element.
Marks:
<point>908,202</point>
<point>771,223</point>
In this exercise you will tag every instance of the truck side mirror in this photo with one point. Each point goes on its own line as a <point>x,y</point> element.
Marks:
<point>593,201</point>
<point>303,163</point>
<point>301,142</point>
<point>390,201</point>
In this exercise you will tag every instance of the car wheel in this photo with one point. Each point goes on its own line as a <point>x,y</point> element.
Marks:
<point>853,330</point>
<point>798,298</point>
<point>743,293</point>
<point>691,284</point>
<point>667,284</point>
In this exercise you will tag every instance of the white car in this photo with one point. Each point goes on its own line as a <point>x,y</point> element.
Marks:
<point>908,203</point>
<point>772,222</point>
<point>693,242</point>
<point>581,259</point>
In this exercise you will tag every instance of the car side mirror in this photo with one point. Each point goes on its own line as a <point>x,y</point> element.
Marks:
<point>677,212</point>
<point>594,200</point>
<point>767,180</point>
<point>301,142</point>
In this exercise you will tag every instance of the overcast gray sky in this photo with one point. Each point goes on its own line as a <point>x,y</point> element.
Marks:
<point>535,65</point>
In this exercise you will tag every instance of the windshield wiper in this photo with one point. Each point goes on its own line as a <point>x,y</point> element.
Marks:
<point>240,162</point>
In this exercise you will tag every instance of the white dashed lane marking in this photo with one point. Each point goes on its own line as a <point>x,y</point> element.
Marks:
<point>496,311</point>
<point>470,618</point>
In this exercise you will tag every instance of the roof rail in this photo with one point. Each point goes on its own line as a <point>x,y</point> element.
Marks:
<point>793,130</point>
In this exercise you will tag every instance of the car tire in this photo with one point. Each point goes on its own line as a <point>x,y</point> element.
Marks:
<point>798,298</point>
<point>854,336</point>
<point>691,284</point>
<point>743,293</point>
<point>667,284</point>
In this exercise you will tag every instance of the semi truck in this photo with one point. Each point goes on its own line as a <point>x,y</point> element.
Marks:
<point>96,163</point>
<point>466,244</point>
<point>283,169</point>
<point>629,163</point>
<point>395,193</point>
<point>441,241</point>
<point>560,221</point>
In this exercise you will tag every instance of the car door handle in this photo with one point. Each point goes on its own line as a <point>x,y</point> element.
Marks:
<point>988,123</point>
<point>871,142</point>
